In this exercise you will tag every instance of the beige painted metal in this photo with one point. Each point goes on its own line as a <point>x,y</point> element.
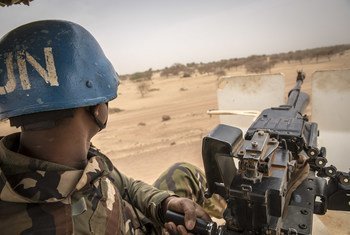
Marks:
<point>253,113</point>
<point>331,110</point>
<point>249,93</point>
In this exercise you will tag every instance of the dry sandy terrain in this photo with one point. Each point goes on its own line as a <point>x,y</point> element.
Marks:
<point>142,145</point>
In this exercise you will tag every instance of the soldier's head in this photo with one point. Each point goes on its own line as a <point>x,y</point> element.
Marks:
<point>48,70</point>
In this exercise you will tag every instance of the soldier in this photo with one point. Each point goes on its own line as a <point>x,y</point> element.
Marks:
<point>55,83</point>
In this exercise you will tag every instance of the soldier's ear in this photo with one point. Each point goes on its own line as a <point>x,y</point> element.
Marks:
<point>101,111</point>
<point>100,114</point>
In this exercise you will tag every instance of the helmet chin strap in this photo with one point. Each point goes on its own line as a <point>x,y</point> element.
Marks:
<point>98,122</point>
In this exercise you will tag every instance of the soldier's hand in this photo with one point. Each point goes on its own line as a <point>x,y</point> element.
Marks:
<point>185,206</point>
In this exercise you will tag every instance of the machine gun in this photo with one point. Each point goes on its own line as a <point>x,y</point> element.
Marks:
<point>282,177</point>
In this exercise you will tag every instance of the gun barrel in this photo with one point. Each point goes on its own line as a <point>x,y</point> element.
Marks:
<point>297,99</point>
<point>302,102</point>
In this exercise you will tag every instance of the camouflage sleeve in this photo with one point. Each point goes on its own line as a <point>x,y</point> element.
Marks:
<point>187,180</point>
<point>143,196</point>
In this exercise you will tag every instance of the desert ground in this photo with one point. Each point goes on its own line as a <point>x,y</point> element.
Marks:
<point>142,145</point>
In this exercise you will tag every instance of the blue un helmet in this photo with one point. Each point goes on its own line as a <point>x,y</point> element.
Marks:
<point>52,65</point>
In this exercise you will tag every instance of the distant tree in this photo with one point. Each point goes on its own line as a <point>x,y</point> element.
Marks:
<point>220,72</point>
<point>298,56</point>
<point>172,70</point>
<point>272,61</point>
<point>186,75</point>
<point>124,77</point>
<point>256,64</point>
<point>139,76</point>
<point>233,63</point>
<point>207,68</point>
<point>191,65</point>
<point>177,69</point>
<point>143,88</point>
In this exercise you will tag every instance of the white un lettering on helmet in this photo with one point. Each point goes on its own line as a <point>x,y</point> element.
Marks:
<point>23,58</point>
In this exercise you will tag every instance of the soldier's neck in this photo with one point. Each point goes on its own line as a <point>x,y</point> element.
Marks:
<point>65,146</point>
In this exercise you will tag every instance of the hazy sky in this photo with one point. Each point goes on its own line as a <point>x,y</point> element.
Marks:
<point>138,35</point>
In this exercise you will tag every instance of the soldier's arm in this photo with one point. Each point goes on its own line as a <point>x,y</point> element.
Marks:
<point>143,196</point>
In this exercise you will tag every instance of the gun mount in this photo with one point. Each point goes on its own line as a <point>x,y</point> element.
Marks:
<point>281,179</point>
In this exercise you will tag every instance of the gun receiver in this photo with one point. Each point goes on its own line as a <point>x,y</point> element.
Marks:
<point>275,188</point>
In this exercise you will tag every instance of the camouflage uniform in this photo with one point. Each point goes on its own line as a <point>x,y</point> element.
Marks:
<point>189,181</point>
<point>48,198</point>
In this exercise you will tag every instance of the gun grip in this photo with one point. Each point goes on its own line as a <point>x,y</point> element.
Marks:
<point>201,226</point>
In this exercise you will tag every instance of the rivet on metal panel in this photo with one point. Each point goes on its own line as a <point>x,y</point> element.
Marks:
<point>89,84</point>
<point>254,144</point>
